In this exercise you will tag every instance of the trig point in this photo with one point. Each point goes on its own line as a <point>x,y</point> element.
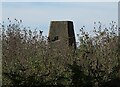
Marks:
<point>61,35</point>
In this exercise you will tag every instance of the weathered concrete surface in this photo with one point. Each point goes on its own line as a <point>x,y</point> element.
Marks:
<point>61,35</point>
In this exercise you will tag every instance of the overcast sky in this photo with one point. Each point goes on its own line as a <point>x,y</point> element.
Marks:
<point>39,14</point>
<point>60,0</point>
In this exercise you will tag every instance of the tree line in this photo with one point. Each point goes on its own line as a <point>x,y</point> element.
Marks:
<point>27,62</point>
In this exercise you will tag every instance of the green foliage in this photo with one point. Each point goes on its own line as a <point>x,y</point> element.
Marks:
<point>27,60</point>
<point>78,76</point>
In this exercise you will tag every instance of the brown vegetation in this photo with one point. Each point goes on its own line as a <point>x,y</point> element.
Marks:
<point>26,60</point>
